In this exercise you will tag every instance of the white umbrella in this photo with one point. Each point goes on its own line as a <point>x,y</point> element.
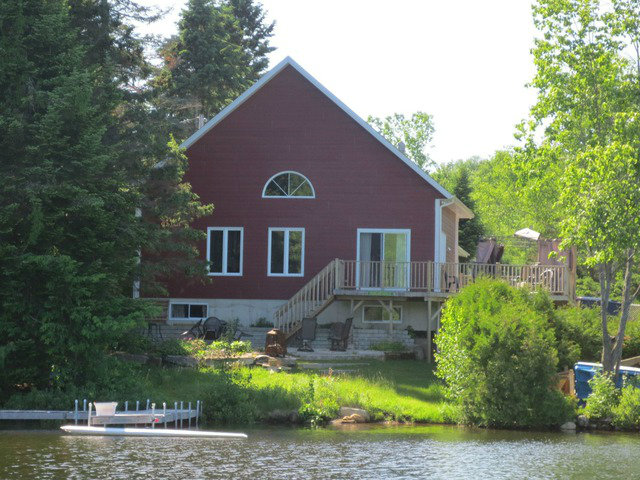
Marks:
<point>528,234</point>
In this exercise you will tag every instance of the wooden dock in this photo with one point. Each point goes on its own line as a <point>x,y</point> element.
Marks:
<point>175,414</point>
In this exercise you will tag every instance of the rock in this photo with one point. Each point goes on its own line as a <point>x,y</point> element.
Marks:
<point>261,359</point>
<point>283,416</point>
<point>180,361</point>
<point>418,352</point>
<point>353,418</point>
<point>568,426</point>
<point>289,362</point>
<point>349,411</point>
<point>132,357</point>
<point>582,421</point>
<point>154,360</point>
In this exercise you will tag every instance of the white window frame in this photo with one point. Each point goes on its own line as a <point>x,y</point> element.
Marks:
<point>285,266</point>
<point>225,238</point>
<point>186,319</point>
<point>406,231</point>
<point>373,305</point>
<point>264,189</point>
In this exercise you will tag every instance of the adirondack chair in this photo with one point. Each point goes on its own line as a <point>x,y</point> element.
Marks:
<point>339,335</point>
<point>307,334</point>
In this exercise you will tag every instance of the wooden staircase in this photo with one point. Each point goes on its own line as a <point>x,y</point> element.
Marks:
<point>316,295</point>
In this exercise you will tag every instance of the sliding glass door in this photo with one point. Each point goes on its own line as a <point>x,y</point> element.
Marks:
<point>383,259</point>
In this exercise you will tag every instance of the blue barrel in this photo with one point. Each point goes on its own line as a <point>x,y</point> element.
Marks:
<point>585,371</point>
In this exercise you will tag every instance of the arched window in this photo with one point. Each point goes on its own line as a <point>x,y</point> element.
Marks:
<point>289,184</point>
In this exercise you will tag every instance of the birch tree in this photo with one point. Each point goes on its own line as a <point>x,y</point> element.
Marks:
<point>587,115</point>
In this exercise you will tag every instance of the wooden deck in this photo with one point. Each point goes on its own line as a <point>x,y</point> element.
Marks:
<point>357,280</point>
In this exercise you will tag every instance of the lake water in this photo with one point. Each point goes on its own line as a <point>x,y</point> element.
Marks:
<point>362,453</point>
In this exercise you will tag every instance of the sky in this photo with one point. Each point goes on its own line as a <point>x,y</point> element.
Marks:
<point>466,62</point>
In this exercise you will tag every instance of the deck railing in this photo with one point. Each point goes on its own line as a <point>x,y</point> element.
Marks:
<point>426,277</point>
<point>315,294</point>
<point>447,277</point>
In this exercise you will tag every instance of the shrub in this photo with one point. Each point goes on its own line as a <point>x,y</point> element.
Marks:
<point>578,334</point>
<point>319,402</point>
<point>498,357</point>
<point>626,415</point>
<point>262,323</point>
<point>603,398</point>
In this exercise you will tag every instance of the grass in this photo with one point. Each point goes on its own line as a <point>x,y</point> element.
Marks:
<point>404,390</point>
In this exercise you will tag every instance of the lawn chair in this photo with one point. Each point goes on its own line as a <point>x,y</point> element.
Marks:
<point>307,334</point>
<point>196,331</point>
<point>213,328</point>
<point>339,335</point>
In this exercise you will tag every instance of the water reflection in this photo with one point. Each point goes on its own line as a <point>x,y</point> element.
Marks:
<point>359,453</point>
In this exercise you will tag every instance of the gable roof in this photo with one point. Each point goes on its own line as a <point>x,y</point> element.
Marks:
<point>288,61</point>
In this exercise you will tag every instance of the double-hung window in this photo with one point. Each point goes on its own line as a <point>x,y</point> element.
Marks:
<point>286,252</point>
<point>224,250</point>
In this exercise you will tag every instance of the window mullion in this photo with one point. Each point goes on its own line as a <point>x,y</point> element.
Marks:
<point>285,267</point>
<point>225,244</point>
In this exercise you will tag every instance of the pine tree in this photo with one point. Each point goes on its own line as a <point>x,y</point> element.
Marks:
<point>220,51</point>
<point>470,230</point>
<point>69,236</point>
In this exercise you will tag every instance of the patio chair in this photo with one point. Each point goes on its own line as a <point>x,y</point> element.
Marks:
<point>213,328</point>
<point>339,335</point>
<point>196,331</point>
<point>307,334</point>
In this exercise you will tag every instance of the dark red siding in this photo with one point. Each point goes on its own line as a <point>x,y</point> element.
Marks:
<point>290,125</point>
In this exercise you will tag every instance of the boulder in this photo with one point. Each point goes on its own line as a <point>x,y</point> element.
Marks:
<point>261,359</point>
<point>569,426</point>
<point>140,358</point>
<point>582,421</point>
<point>283,416</point>
<point>154,360</point>
<point>180,361</point>
<point>353,418</point>
<point>349,412</point>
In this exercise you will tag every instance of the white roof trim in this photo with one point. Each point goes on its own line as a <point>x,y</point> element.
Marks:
<point>272,73</point>
<point>460,208</point>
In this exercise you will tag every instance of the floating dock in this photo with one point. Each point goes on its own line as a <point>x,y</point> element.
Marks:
<point>147,432</point>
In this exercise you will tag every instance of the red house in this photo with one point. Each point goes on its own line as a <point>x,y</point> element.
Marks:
<point>316,215</point>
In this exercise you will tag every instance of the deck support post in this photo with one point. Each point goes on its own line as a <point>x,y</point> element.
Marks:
<point>429,331</point>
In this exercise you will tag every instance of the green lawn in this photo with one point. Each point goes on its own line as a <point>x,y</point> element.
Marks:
<point>400,389</point>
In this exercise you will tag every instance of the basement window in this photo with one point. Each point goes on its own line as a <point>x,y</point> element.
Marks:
<point>188,311</point>
<point>379,314</point>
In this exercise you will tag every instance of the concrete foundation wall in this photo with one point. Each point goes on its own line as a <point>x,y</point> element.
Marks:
<point>247,312</point>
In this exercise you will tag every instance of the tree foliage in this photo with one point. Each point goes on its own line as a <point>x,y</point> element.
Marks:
<point>75,166</point>
<point>457,178</point>
<point>415,133</point>
<point>220,50</point>
<point>587,115</point>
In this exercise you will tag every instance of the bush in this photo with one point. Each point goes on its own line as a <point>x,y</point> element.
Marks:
<point>578,334</point>
<point>626,415</point>
<point>498,357</point>
<point>603,398</point>
<point>263,323</point>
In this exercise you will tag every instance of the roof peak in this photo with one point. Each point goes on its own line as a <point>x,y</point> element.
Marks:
<point>286,61</point>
